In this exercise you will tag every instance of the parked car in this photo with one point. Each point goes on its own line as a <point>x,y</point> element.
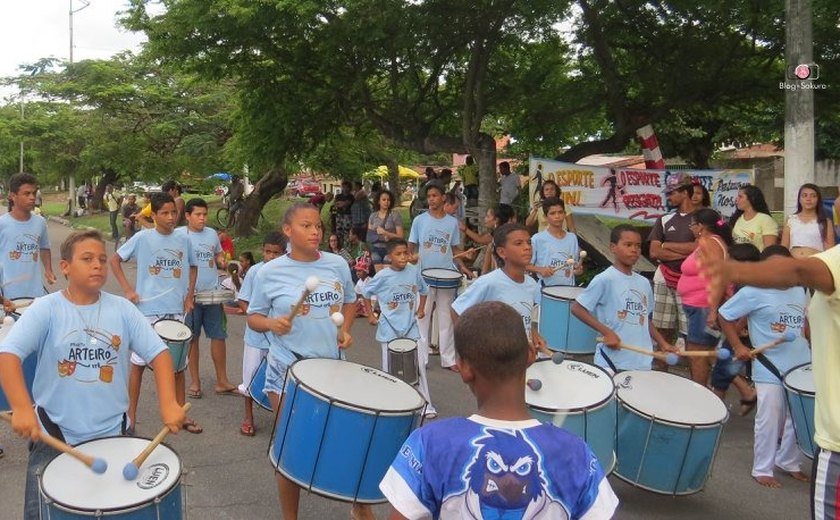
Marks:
<point>307,188</point>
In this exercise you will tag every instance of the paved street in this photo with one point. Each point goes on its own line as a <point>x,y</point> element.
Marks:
<point>228,476</point>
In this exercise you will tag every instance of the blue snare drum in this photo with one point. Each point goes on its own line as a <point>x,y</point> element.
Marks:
<point>668,431</point>
<point>800,390</point>
<point>257,386</point>
<point>341,427</point>
<point>442,278</point>
<point>69,490</point>
<point>560,329</point>
<point>29,365</point>
<point>580,398</point>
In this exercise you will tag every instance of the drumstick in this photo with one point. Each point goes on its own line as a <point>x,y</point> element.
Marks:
<point>23,305</point>
<point>338,319</point>
<point>96,464</point>
<point>669,358</point>
<point>310,285</point>
<point>131,470</point>
<point>787,337</point>
<point>155,297</point>
<point>468,251</point>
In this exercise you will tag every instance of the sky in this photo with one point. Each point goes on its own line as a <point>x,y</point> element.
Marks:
<point>35,29</point>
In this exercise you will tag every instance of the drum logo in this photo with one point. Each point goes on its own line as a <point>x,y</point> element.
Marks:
<point>579,367</point>
<point>375,372</point>
<point>626,383</point>
<point>153,476</point>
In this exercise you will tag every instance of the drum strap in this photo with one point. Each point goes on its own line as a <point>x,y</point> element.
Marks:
<point>609,361</point>
<point>404,334</point>
<point>770,366</point>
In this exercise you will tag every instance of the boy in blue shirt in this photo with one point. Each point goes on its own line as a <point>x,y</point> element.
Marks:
<point>498,463</point>
<point>770,314</point>
<point>165,286</point>
<point>401,293</point>
<point>82,337</point>
<point>435,240</point>
<point>255,343</point>
<point>554,246</point>
<point>23,239</point>
<point>618,304</point>
<point>208,258</point>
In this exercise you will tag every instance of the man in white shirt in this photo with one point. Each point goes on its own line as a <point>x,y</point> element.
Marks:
<point>509,184</point>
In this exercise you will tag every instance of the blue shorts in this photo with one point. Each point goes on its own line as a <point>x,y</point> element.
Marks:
<point>698,332</point>
<point>212,317</point>
<point>275,375</point>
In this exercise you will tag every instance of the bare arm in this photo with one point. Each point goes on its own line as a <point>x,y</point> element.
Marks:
<point>46,260</point>
<point>670,251</point>
<point>730,330</point>
<point>828,243</point>
<point>611,339</point>
<point>769,240</point>
<point>170,412</point>
<point>24,422</point>
<point>786,236</point>
<point>119,274</point>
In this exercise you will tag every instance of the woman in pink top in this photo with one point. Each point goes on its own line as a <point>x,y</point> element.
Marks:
<point>702,321</point>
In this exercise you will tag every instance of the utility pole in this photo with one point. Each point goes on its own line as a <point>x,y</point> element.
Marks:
<point>20,170</point>
<point>799,99</point>
<point>72,179</point>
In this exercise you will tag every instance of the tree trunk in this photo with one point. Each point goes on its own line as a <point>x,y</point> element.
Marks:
<point>485,157</point>
<point>109,176</point>
<point>272,183</point>
<point>393,178</point>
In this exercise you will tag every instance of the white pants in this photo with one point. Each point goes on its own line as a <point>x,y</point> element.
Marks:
<point>422,359</point>
<point>772,420</point>
<point>443,299</point>
<point>251,358</point>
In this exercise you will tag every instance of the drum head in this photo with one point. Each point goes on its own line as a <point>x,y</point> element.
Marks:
<point>801,379</point>
<point>440,273</point>
<point>357,385</point>
<point>569,386</point>
<point>172,330</point>
<point>69,483</point>
<point>669,398</point>
<point>562,292</point>
<point>402,345</point>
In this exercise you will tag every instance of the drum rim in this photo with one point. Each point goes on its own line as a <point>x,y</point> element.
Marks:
<point>344,404</point>
<point>129,507</point>
<point>554,296</point>
<point>661,420</point>
<point>596,406</point>
<point>457,272</point>
<point>174,340</point>
<point>794,389</point>
<point>263,362</point>
<point>416,344</point>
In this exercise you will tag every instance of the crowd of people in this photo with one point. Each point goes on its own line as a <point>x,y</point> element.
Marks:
<point>407,283</point>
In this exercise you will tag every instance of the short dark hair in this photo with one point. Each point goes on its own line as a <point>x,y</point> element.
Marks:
<point>548,203</point>
<point>276,238</point>
<point>171,185</point>
<point>19,179</point>
<point>775,250</point>
<point>195,203</point>
<point>491,338</point>
<point>615,234</point>
<point>69,244</point>
<point>744,253</point>
<point>500,237</point>
<point>434,185</point>
<point>298,206</point>
<point>249,255</point>
<point>159,199</point>
<point>452,198</point>
<point>395,243</point>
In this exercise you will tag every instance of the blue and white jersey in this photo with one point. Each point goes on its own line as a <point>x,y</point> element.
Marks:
<point>435,238</point>
<point>277,288</point>
<point>81,379</point>
<point>398,295</point>
<point>550,251</point>
<point>479,468</point>
<point>21,243</point>
<point>771,313</point>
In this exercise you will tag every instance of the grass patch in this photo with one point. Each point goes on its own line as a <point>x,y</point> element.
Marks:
<point>612,222</point>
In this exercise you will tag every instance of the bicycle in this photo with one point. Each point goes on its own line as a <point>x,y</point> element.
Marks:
<point>227,219</point>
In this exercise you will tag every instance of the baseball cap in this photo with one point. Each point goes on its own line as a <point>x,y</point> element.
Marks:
<point>676,181</point>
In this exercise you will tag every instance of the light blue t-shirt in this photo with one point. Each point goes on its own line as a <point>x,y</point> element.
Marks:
<point>550,251</point>
<point>163,270</point>
<point>623,303</point>
<point>397,293</point>
<point>770,313</point>
<point>205,246</point>
<point>470,468</point>
<point>499,287</point>
<point>281,282</point>
<point>81,380</point>
<point>435,238</point>
<point>21,244</point>
<point>252,338</point>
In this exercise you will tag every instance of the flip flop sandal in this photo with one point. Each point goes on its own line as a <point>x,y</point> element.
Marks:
<point>247,429</point>
<point>190,426</point>
<point>194,394</point>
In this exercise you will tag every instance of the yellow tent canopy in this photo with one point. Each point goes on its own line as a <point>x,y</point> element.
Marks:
<point>382,172</point>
